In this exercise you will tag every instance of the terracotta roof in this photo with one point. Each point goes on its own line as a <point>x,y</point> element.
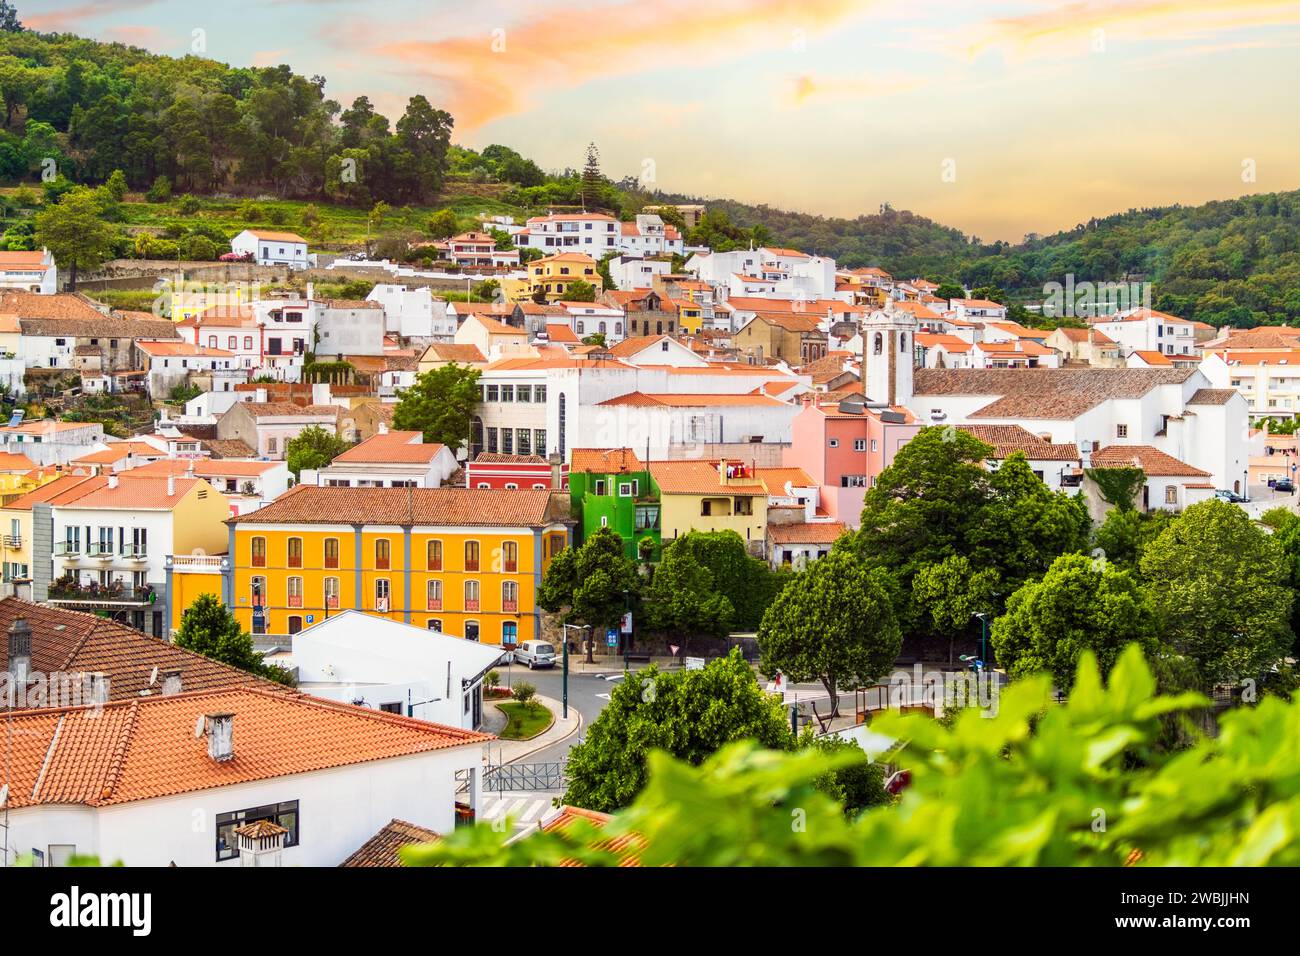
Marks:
<point>273,236</point>
<point>449,352</point>
<point>805,532</point>
<point>135,492</point>
<point>309,504</point>
<point>1002,434</point>
<point>13,462</point>
<point>117,451</point>
<point>790,321</point>
<point>682,400</point>
<point>74,642</point>
<point>204,467</point>
<point>181,348</point>
<point>775,479</point>
<point>1212,396</point>
<point>32,305</point>
<point>381,849</point>
<point>145,748</point>
<point>606,461</point>
<point>228,448</point>
<point>1153,461</point>
<point>288,410</point>
<point>1152,357</point>
<point>59,491</point>
<point>393,446</point>
<point>501,458</point>
<point>1045,393</point>
<point>561,333</point>
<point>625,846</point>
<point>698,478</point>
<point>636,343</point>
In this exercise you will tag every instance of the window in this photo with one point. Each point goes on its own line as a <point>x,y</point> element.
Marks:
<point>434,596</point>
<point>507,441</point>
<point>331,593</point>
<point>295,591</point>
<point>859,444</point>
<point>331,552</point>
<point>853,481</point>
<point>383,555</point>
<point>507,393</point>
<point>539,393</point>
<point>647,518</point>
<point>433,556</point>
<point>282,814</point>
<point>539,440</point>
<point>625,489</point>
<point>509,634</point>
<point>434,624</point>
<point>471,630</point>
<point>1121,431</point>
<point>523,441</point>
<point>875,445</point>
<point>248,342</point>
<point>510,596</point>
<point>383,590</point>
<point>295,552</point>
<point>510,556</point>
<point>471,555</point>
<point>1171,495</point>
<point>835,443</point>
<point>492,440</point>
<point>471,596</point>
<point>259,553</point>
<point>494,393</point>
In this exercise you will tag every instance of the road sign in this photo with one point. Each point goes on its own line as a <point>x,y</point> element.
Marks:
<point>611,637</point>
<point>311,618</point>
<point>627,623</point>
<point>695,663</point>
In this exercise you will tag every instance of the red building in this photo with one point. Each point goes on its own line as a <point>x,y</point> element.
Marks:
<point>496,470</point>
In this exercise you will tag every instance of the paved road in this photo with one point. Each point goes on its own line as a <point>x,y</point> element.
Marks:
<point>1264,498</point>
<point>584,696</point>
<point>524,810</point>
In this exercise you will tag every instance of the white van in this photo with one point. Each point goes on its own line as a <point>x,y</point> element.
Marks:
<point>535,654</point>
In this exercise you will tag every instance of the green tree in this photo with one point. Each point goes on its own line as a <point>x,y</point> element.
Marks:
<point>949,595</point>
<point>593,584</point>
<point>592,178</point>
<point>1220,587</point>
<point>689,714</point>
<point>683,596</point>
<point>950,290</point>
<point>209,628</point>
<point>580,291</point>
<point>1080,604</point>
<point>443,224</point>
<point>833,623</point>
<point>313,448</point>
<point>440,404</point>
<point>116,185</point>
<point>1123,537</point>
<point>857,785</point>
<point>75,232</point>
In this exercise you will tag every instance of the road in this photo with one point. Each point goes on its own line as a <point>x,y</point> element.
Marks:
<point>1262,498</point>
<point>584,696</point>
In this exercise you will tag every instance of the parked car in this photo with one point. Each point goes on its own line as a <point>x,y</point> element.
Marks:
<point>1285,485</point>
<point>535,654</point>
<point>1231,496</point>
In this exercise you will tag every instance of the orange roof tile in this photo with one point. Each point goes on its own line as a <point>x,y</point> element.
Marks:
<point>703,400</point>
<point>697,478</point>
<point>823,532</point>
<point>309,504</point>
<point>145,748</point>
<point>605,461</point>
<point>1151,460</point>
<point>382,848</point>
<point>393,446</point>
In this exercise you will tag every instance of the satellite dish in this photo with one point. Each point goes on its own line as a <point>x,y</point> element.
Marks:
<point>153,677</point>
<point>199,727</point>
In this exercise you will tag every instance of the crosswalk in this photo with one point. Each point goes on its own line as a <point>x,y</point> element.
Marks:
<point>525,811</point>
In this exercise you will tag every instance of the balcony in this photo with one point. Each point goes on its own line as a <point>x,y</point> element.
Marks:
<point>101,552</point>
<point>471,605</point>
<point>135,552</point>
<point>509,606</point>
<point>13,541</point>
<point>295,600</point>
<point>435,604</point>
<point>68,591</point>
<point>197,563</point>
<point>67,549</point>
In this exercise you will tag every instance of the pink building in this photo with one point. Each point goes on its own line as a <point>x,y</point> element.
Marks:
<point>844,446</point>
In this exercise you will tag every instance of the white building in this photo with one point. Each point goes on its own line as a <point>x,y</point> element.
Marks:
<point>270,248</point>
<point>168,778</point>
<point>635,272</point>
<point>370,661</point>
<point>172,363</point>
<point>591,318</point>
<point>1146,330</point>
<point>389,459</point>
<point>591,233</point>
<point>50,442</point>
<point>32,271</point>
<point>414,313</point>
<point>648,235</point>
<point>346,327</point>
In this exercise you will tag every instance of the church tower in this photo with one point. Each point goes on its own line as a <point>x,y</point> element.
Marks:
<point>888,356</point>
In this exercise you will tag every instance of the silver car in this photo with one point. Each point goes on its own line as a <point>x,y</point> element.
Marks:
<point>535,654</point>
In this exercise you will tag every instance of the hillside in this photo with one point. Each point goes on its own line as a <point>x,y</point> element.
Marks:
<point>207,149</point>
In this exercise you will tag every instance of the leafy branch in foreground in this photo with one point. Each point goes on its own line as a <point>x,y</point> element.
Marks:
<point>1039,784</point>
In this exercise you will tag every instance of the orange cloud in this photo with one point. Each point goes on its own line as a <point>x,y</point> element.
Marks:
<point>1074,28</point>
<point>502,72</point>
<point>69,19</point>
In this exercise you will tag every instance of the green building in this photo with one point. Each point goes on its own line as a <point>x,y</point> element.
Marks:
<point>613,488</point>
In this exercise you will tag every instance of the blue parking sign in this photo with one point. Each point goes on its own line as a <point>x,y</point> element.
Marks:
<point>611,637</point>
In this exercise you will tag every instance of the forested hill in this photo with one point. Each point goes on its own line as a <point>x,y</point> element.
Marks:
<point>198,126</point>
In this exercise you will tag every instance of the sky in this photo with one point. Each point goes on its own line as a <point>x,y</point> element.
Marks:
<point>997,117</point>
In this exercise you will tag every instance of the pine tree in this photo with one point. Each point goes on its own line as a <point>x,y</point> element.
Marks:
<point>592,177</point>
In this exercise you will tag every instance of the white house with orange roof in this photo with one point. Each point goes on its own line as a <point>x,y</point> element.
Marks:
<point>649,235</point>
<point>29,271</point>
<point>588,232</point>
<point>50,442</point>
<point>233,776</point>
<point>172,363</point>
<point>977,310</point>
<point>638,272</point>
<point>268,247</point>
<point>595,318</point>
<point>107,547</point>
<point>492,337</point>
<point>248,484</point>
<point>388,459</point>
<point>1143,329</point>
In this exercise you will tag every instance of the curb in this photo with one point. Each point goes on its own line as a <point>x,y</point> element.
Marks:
<point>524,740</point>
<point>550,743</point>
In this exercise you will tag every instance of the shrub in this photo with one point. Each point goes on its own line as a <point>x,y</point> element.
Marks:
<point>160,191</point>
<point>524,692</point>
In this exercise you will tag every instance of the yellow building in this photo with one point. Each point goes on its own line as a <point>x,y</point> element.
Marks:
<point>554,274</point>
<point>464,561</point>
<point>710,496</point>
<point>19,475</point>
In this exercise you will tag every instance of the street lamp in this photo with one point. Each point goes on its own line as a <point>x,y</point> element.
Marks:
<point>984,634</point>
<point>564,687</point>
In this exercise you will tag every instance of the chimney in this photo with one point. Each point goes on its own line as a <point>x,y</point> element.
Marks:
<point>20,651</point>
<point>383,428</point>
<point>171,486</point>
<point>220,731</point>
<point>112,480</point>
<point>260,843</point>
<point>722,472</point>
<point>557,472</point>
<point>171,683</point>
<point>311,291</point>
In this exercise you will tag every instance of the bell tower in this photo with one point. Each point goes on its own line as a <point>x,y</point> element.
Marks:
<point>888,355</point>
